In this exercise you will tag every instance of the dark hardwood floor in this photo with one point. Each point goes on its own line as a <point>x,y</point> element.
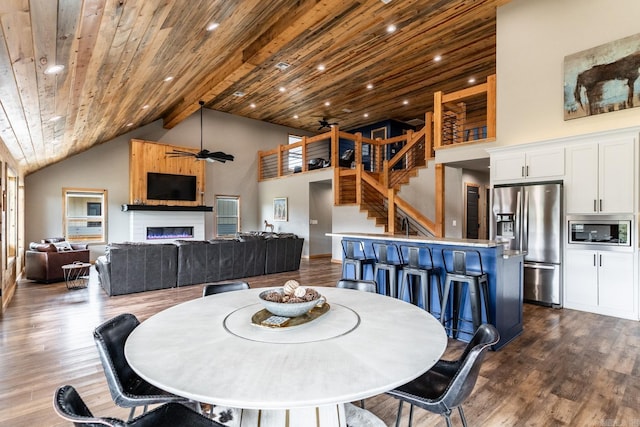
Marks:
<point>567,369</point>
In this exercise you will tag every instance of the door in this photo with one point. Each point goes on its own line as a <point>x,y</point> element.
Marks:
<point>472,211</point>
<point>542,226</point>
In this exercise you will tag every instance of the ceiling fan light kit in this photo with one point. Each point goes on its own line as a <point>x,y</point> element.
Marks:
<point>209,156</point>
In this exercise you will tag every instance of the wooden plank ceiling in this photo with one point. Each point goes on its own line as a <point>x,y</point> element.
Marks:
<point>117,54</point>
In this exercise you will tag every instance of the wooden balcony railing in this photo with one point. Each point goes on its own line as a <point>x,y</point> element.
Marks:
<point>375,169</point>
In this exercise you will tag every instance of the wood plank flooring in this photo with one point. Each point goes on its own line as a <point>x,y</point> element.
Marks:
<point>567,369</point>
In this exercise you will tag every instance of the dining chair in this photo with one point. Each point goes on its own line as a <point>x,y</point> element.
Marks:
<point>359,285</point>
<point>128,390</point>
<point>448,383</point>
<point>218,288</point>
<point>69,405</point>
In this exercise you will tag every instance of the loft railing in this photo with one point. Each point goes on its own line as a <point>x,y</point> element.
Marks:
<point>369,172</point>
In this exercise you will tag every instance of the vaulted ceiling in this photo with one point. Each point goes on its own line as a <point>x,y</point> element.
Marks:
<point>127,63</point>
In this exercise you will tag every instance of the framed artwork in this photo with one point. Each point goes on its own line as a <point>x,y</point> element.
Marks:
<point>280,209</point>
<point>379,133</point>
<point>602,79</point>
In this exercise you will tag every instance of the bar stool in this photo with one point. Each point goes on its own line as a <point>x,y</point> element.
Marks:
<point>477,283</point>
<point>357,258</point>
<point>426,273</point>
<point>389,260</point>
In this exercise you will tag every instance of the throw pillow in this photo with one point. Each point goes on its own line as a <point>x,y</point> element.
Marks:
<point>63,246</point>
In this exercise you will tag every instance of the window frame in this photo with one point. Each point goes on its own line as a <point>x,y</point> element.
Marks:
<point>91,220</point>
<point>237,216</point>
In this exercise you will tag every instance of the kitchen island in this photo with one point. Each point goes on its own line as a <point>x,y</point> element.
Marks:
<point>504,269</point>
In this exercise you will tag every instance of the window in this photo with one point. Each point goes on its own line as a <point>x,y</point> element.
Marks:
<point>295,154</point>
<point>85,215</point>
<point>227,215</point>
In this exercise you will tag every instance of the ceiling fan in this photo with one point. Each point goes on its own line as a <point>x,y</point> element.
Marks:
<point>324,123</point>
<point>209,156</point>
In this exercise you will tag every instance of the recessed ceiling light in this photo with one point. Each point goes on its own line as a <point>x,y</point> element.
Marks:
<point>144,107</point>
<point>295,116</point>
<point>212,26</point>
<point>437,58</point>
<point>405,102</point>
<point>347,110</point>
<point>168,78</point>
<point>326,104</point>
<point>391,28</point>
<point>238,93</point>
<point>55,118</point>
<point>129,125</point>
<point>321,67</point>
<point>282,89</point>
<point>366,114</point>
<point>54,69</point>
<point>370,86</point>
<point>252,105</point>
<point>471,80</point>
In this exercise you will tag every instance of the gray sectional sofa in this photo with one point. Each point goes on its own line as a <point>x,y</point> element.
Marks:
<point>136,267</point>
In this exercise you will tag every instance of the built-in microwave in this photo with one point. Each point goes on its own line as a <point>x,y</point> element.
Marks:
<point>597,231</point>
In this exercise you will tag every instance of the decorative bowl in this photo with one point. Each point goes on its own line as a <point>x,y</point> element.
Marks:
<point>288,309</point>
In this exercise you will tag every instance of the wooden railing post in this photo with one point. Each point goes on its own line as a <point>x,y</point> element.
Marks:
<point>357,152</point>
<point>305,166</point>
<point>491,106</point>
<point>437,120</point>
<point>260,165</point>
<point>335,150</point>
<point>359,169</point>
<point>428,136</point>
<point>336,187</point>
<point>384,176</point>
<point>280,150</point>
<point>391,213</point>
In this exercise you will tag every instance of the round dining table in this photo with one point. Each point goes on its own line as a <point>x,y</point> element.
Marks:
<point>209,350</point>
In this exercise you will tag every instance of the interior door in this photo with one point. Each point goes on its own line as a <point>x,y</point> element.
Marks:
<point>472,209</point>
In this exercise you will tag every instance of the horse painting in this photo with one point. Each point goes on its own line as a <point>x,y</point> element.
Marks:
<point>593,80</point>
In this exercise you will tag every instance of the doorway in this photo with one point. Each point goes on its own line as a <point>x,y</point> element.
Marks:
<point>320,218</point>
<point>475,221</point>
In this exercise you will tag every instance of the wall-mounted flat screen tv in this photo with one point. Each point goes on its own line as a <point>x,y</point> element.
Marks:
<point>166,186</point>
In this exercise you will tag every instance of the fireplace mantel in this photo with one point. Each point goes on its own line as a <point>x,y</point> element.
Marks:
<point>165,208</point>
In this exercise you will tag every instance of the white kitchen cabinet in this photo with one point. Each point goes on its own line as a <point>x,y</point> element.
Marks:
<point>600,282</point>
<point>528,165</point>
<point>600,177</point>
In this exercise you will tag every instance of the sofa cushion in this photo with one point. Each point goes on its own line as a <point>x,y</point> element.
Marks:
<point>63,246</point>
<point>43,247</point>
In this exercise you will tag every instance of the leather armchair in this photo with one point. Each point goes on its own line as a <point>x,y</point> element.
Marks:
<point>43,261</point>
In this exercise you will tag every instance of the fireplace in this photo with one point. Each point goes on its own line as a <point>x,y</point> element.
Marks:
<point>154,233</point>
<point>166,226</point>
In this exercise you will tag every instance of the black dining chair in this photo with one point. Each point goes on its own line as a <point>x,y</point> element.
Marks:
<point>218,288</point>
<point>448,383</point>
<point>69,405</point>
<point>127,389</point>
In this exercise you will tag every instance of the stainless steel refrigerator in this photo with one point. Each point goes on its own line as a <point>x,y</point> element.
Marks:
<point>529,218</point>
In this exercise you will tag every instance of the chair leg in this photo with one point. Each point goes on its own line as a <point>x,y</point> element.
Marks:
<point>362,403</point>
<point>447,418</point>
<point>133,410</point>
<point>464,420</point>
<point>399,414</point>
<point>410,415</point>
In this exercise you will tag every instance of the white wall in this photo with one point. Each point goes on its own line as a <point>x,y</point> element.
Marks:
<point>107,166</point>
<point>296,189</point>
<point>533,38</point>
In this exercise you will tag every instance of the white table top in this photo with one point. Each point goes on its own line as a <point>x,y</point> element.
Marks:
<point>209,351</point>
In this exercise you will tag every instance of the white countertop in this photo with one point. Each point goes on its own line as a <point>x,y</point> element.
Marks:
<point>420,239</point>
<point>208,350</point>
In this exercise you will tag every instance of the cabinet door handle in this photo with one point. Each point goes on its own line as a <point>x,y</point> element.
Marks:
<point>600,205</point>
<point>600,260</point>
<point>595,206</point>
<point>522,171</point>
<point>527,169</point>
<point>594,260</point>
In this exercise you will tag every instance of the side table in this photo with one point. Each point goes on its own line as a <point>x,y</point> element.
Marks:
<point>76,275</point>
